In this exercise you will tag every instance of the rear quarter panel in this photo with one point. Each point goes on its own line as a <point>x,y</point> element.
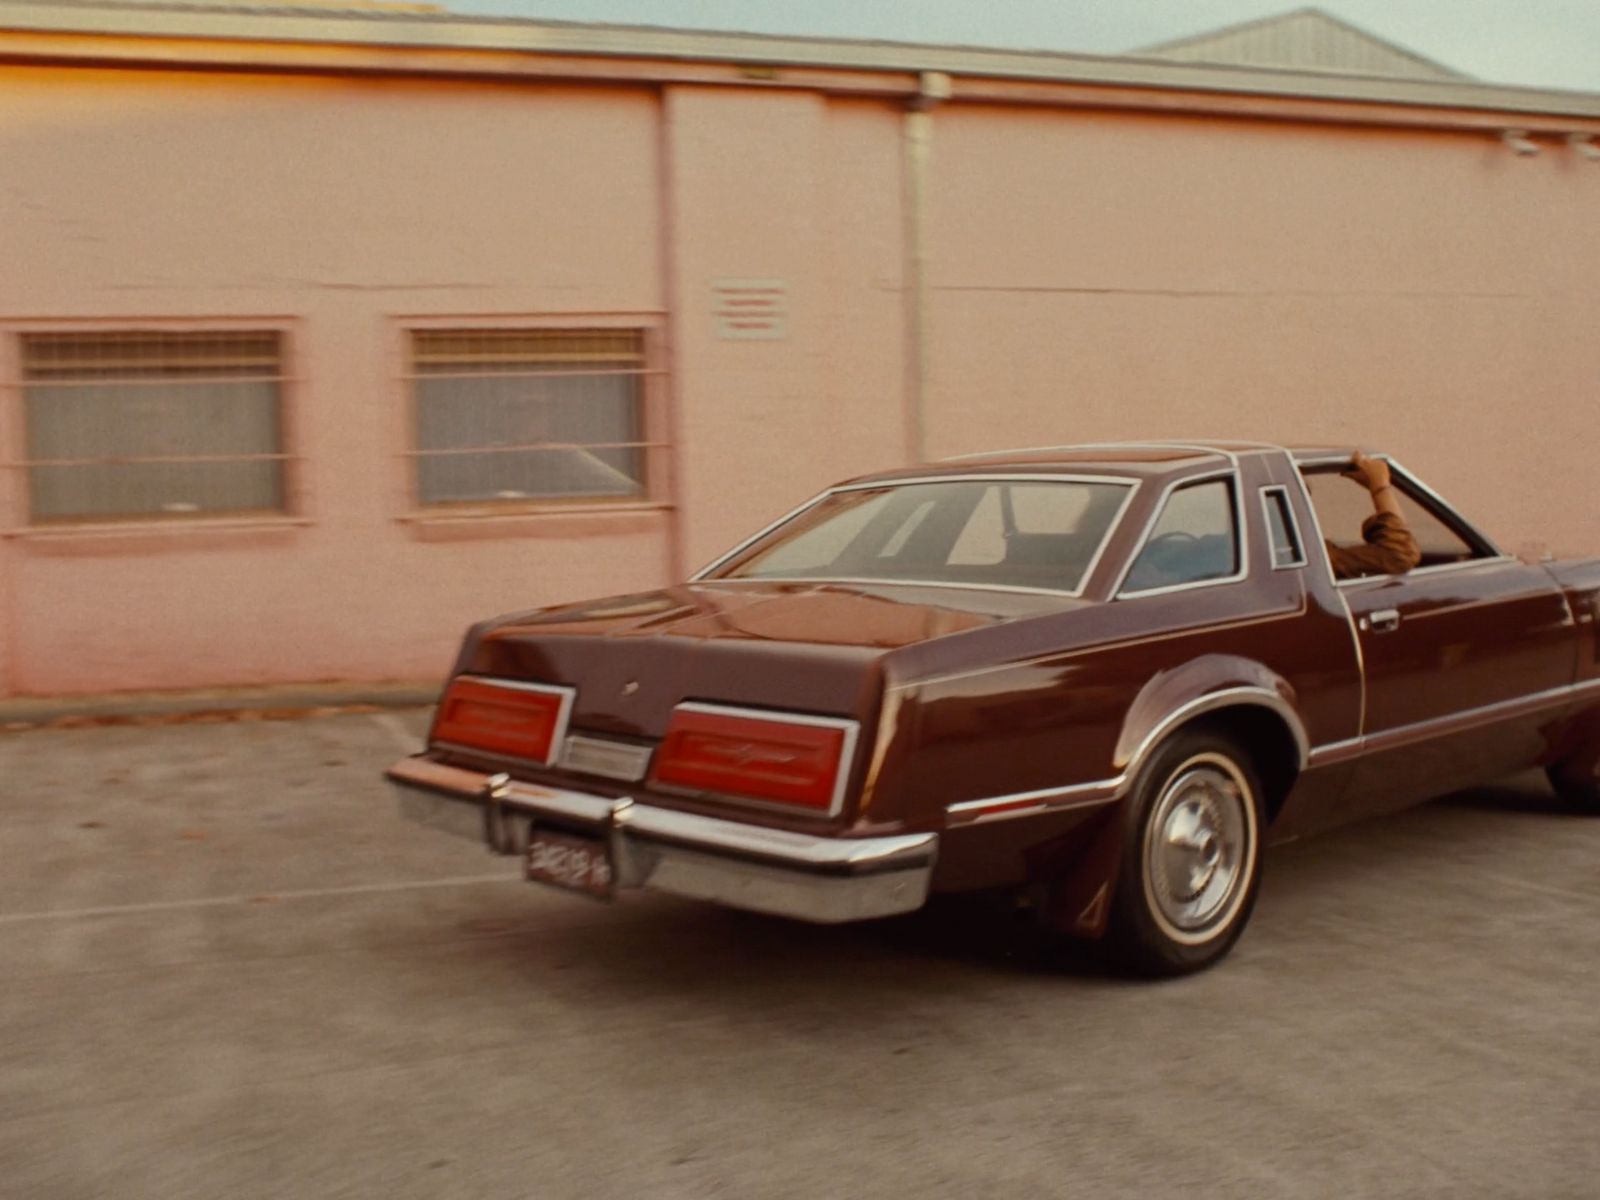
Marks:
<point>1580,581</point>
<point>1577,740</point>
<point>1047,704</point>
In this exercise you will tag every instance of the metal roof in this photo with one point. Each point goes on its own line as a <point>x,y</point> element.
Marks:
<point>1135,458</point>
<point>1306,39</point>
<point>401,27</point>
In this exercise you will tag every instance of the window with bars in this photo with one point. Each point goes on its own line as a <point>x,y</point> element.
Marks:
<point>152,424</point>
<point>509,415</point>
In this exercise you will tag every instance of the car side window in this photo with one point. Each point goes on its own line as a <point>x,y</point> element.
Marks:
<point>1194,540</point>
<point>1282,529</point>
<point>1343,505</point>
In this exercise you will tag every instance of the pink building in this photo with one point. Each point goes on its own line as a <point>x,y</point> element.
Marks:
<point>324,335</point>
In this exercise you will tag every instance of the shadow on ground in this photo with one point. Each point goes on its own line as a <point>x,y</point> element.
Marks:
<point>649,943</point>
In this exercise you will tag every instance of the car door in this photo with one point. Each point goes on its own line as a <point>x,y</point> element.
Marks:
<point>1447,649</point>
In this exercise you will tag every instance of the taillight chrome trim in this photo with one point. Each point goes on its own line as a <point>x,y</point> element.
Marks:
<point>851,730</point>
<point>566,694</point>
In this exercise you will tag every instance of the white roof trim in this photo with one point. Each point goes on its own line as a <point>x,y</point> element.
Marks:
<point>382,28</point>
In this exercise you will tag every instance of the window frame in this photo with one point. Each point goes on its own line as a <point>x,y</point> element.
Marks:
<point>1241,534</point>
<point>1419,494</point>
<point>1292,524</point>
<point>655,417</point>
<point>16,495</point>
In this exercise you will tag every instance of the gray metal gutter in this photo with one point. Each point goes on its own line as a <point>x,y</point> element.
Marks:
<point>448,31</point>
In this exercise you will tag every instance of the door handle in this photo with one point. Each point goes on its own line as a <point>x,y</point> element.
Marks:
<point>1385,620</point>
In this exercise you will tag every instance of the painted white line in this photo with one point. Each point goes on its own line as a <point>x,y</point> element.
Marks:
<point>396,729</point>
<point>1543,889</point>
<point>360,889</point>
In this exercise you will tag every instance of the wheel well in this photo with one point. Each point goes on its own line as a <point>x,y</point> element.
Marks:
<point>1272,747</point>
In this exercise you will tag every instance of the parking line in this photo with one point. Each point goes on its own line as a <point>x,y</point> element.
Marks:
<point>1542,889</point>
<point>396,729</point>
<point>360,889</point>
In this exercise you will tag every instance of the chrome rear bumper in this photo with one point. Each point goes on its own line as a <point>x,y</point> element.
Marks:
<point>828,880</point>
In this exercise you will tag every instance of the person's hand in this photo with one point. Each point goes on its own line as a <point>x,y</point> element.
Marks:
<point>1373,473</point>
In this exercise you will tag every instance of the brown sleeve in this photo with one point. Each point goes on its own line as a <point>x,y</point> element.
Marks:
<point>1389,549</point>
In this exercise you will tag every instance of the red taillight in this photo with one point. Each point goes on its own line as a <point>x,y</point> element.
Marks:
<point>801,761</point>
<point>519,720</point>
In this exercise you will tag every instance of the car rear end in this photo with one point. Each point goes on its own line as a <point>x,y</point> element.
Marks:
<point>721,739</point>
<point>723,770</point>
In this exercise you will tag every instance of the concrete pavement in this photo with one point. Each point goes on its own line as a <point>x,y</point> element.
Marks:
<point>227,969</point>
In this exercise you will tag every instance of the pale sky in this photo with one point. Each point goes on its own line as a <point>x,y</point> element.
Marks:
<point>1539,43</point>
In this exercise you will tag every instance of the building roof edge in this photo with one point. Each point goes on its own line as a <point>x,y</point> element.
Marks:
<point>448,31</point>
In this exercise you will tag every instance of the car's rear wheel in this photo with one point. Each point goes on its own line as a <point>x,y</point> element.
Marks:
<point>1191,860</point>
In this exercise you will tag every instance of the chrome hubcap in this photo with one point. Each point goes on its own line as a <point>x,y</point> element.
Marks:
<point>1199,847</point>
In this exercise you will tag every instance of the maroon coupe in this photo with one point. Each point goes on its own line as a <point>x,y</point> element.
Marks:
<point>1101,676</point>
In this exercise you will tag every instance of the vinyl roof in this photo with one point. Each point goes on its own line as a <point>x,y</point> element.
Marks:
<point>399,25</point>
<point>1154,451</point>
<point>1136,459</point>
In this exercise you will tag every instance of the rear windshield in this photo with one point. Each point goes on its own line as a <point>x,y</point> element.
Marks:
<point>983,532</point>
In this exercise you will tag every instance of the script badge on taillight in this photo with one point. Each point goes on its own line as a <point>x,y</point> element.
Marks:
<point>791,759</point>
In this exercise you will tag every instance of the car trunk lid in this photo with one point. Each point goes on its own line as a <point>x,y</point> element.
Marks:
<point>816,650</point>
<point>805,648</point>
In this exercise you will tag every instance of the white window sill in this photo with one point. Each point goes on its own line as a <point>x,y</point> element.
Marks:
<point>185,533</point>
<point>141,526</point>
<point>616,518</point>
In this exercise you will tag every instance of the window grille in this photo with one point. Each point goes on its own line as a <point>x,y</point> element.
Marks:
<point>509,415</point>
<point>152,424</point>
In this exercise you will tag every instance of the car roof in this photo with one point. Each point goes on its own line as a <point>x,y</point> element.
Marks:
<point>1137,459</point>
<point>1314,454</point>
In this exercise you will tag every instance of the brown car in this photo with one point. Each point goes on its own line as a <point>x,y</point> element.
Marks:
<point>1101,676</point>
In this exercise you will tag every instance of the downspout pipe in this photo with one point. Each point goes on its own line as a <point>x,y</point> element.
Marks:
<point>933,87</point>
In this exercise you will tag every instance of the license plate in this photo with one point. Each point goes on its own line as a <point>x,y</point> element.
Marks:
<point>565,860</point>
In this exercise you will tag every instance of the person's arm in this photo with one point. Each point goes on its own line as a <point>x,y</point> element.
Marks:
<point>1389,548</point>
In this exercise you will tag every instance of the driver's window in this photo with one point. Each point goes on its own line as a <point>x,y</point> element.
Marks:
<point>1192,541</point>
<point>1344,504</point>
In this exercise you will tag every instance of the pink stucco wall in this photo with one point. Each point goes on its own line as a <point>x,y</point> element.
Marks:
<point>1091,277</point>
<point>1430,293</point>
<point>348,208</point>
<point>793,188</point>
